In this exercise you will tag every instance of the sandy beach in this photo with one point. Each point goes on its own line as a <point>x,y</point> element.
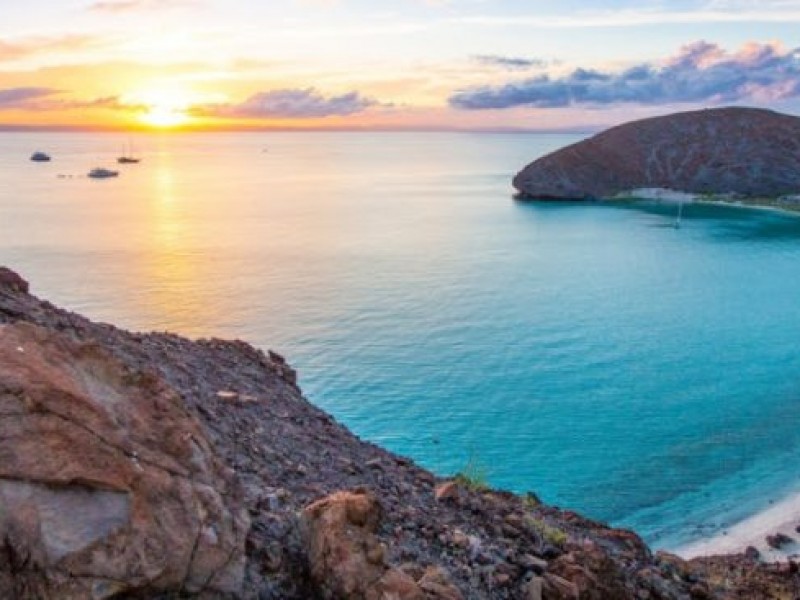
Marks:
<point>781,517</point>
<point>787,204</point>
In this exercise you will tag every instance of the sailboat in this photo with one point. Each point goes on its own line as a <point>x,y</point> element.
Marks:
<point>127,158</point>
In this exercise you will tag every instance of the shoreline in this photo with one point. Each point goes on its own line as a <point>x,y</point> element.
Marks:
<point>782,517</point>
<point>305,508</point>
<point>764,205</point>
<point>789,204</point>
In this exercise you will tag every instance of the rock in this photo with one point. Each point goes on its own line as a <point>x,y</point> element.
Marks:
<point>105,481</point>
<point>593,574</point>
<point>276,358</point>
<point>338,533</point>
<point>778,541</point>
<point>460,539</point>
<point>744,151</point>
<point>535,564</point>
<point>398,585</point>
<point>446,491</point>
<point>699,592</point>
<point>673,565</point>
<point>752,553</point>
<point>560,588</point>
<point>12,281</point>
<point>347,560</point>
<point>475,547</point>
<point>436,584</point>
<point>533,589</point>
<point>273,502</point>
<point>550,552</point>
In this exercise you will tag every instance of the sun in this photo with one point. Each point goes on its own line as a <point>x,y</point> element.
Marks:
<point>164,116</point>
<point>164,108</point>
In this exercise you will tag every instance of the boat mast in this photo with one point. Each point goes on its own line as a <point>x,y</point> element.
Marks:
<point>680,212</point>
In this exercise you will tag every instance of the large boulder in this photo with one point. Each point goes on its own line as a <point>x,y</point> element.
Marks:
<point>743,151</point>
<point>107,483</point>
<point>347,560</point>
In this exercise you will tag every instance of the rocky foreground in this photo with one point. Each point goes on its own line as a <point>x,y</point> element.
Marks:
<point>735,152</point>
<point>152,466</point>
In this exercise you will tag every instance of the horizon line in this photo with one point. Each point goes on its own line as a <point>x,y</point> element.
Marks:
<point>17,128</point>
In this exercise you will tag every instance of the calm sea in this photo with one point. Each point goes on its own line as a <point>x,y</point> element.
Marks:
<point>646,375</point>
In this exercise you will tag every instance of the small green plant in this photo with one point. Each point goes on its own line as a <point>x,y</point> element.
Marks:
<point>473,475</point>
<point>531,500</point>
<point>550,534</point>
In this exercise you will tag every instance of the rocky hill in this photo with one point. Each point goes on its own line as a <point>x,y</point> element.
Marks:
<point>746,152</point>
<point>152,466</point>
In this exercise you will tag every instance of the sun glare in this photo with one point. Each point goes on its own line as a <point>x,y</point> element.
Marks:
<point>164,116</point>
<point>164,108</point>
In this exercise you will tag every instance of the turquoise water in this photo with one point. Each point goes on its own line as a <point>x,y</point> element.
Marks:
<point>642,374</point>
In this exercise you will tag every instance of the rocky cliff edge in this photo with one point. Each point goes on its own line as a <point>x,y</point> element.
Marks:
<point>152,466</point>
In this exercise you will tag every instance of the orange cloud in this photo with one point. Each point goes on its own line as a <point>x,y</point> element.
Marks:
<point>17,50</point>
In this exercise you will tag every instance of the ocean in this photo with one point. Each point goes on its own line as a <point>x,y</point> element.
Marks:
<point>644,375</point>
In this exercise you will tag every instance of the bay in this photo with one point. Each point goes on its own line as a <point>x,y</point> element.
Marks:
<point>594,354</point>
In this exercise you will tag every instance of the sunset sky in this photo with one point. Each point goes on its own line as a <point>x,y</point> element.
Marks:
<point>466,64</point>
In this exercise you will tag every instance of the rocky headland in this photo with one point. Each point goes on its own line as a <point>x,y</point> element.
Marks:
<point>153,466</point>
<point>726,153</point>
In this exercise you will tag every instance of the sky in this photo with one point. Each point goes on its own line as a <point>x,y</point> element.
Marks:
<point>390,64</point>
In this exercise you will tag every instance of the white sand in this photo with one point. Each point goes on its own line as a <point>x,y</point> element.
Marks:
<point>781,517</point>
<point>665,194</point>
<point>789,205</point>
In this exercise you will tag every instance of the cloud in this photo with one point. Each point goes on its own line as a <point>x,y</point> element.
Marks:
<point>289,103</point>
<point>19,49</point>
<point>700,72</point>
<point>22,97</point>
<point>724,11</point>
<point>106,102</point>
<point>125,6</point>
<point>41,99</point>
<point>509,62</point>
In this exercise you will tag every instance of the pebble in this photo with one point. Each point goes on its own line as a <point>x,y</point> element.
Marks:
<point>445,491</point>
<point>533,590</point>
<point>534,563</point>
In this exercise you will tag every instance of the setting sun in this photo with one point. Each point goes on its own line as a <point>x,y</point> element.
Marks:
<point>164,116</point>
<point>164,108</point>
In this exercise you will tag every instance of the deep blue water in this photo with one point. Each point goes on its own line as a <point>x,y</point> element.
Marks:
<point>613,364</point>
